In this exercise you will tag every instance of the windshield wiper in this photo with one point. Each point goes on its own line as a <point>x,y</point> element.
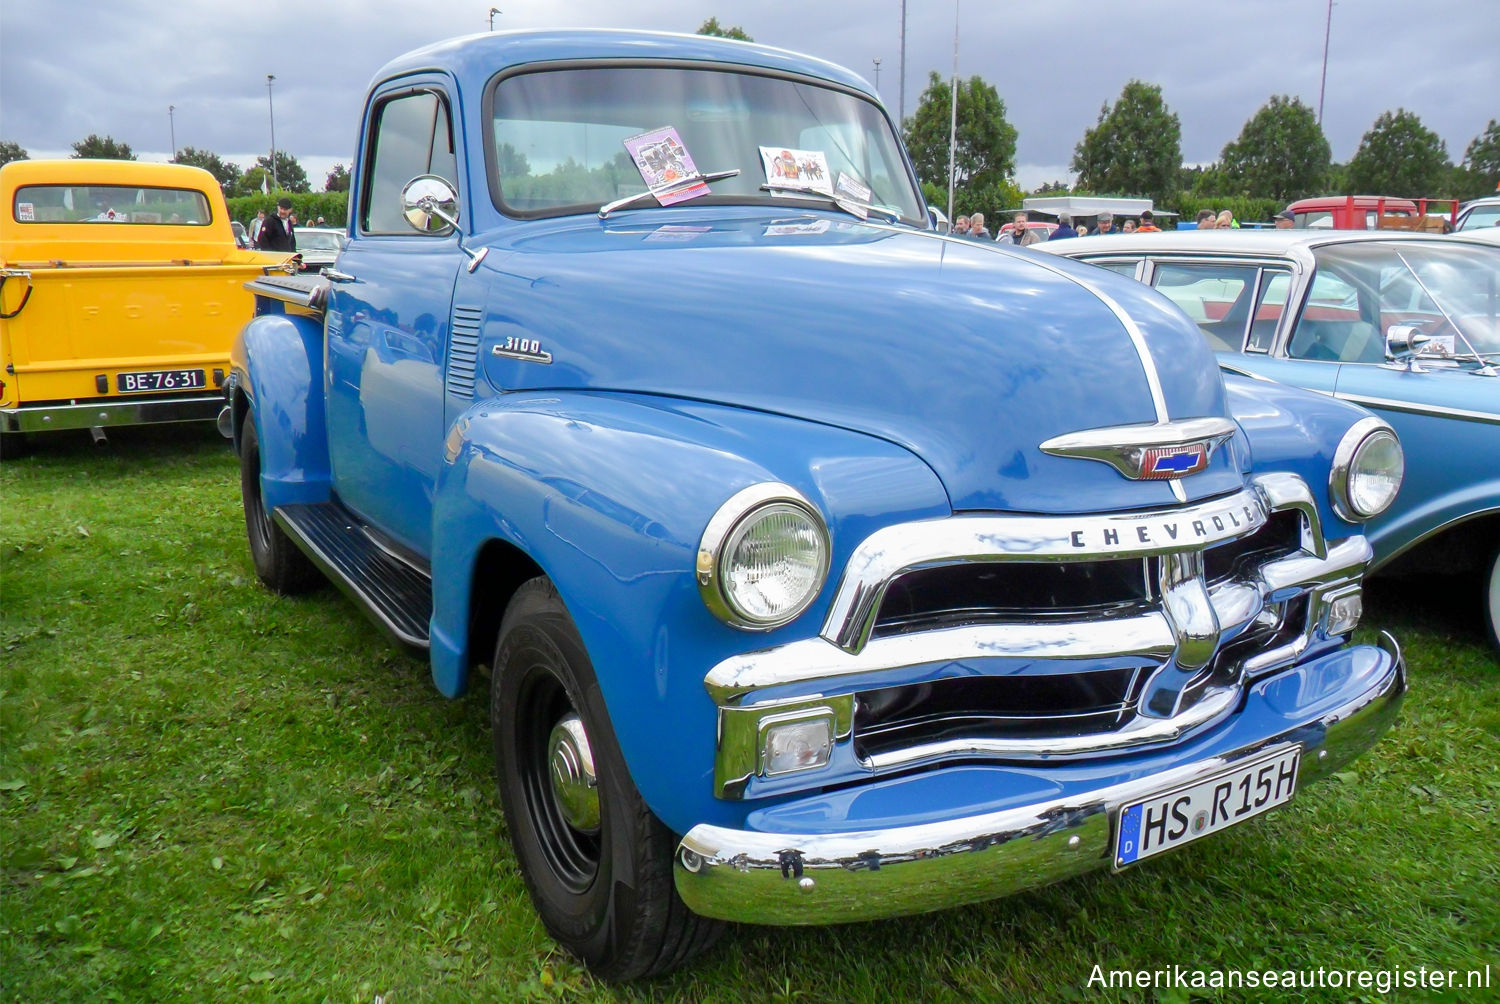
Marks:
<point>891,216</point>
<point>631,200</point>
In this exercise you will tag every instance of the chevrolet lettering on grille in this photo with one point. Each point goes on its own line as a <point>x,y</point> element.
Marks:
<point>1160,532</point>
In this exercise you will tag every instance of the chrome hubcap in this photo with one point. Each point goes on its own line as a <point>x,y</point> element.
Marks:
<point>575,786</point>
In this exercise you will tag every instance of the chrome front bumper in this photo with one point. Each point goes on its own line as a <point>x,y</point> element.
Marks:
<point>92,414</point>
<point>1334,707</point>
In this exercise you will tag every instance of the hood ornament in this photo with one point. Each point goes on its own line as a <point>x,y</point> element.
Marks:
<point>1157,451</point>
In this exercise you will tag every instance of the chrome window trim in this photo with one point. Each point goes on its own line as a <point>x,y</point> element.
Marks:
<point>1298,259</point>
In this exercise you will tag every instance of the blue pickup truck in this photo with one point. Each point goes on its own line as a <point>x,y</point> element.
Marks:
<point>825,567</point>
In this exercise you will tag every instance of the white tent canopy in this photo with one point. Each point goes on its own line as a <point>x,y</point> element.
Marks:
<point>1084,207</point>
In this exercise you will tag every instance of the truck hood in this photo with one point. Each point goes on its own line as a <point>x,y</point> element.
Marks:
<point>968,355</point>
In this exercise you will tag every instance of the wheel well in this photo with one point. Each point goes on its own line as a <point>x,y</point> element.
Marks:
<point>499,571</point>
<point>1457,548</point>
<point>239,410</point>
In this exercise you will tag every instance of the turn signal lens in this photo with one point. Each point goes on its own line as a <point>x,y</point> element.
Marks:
<point>795,746</point>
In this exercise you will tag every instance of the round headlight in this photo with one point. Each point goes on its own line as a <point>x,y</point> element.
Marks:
<point>1367,470</point>
<point>763,557</point>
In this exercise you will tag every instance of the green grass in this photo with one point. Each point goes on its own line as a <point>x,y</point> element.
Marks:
<point>209,793</point>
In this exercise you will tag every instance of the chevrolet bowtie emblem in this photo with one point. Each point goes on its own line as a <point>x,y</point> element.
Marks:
<point>1158,451</point>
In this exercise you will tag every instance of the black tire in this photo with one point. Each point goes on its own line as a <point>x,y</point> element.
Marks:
<point>277,561</point>
<point>606,896</point>
<point>1491,584</point>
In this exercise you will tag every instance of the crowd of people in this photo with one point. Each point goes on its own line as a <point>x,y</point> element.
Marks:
<point>1022,231</point>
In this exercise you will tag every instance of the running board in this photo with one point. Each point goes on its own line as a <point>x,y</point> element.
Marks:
<point>393,593</point>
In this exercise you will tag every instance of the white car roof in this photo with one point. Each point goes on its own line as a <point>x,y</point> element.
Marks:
<point>1265,242</point>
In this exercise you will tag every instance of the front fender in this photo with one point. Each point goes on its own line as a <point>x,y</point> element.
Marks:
<point>1294,430</point>
<point>609,495</point>
<point>277,363</point>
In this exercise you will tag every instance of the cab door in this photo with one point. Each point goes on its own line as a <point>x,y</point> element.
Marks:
<point>389,320</point>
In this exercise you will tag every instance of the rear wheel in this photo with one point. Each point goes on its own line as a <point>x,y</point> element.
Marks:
<point>277,561</point>
<point>597,862</point>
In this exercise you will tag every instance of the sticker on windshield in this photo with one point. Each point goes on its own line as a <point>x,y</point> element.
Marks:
<point>25,212</point>
<point>853,195</point>
<point>665,165</point>
<point>796,170</point>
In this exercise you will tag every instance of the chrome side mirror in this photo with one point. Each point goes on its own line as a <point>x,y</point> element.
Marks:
<point>1404,339</point>
<point>430,205</point>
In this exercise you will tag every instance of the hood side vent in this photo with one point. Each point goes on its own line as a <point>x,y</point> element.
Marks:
<point>463,352</point>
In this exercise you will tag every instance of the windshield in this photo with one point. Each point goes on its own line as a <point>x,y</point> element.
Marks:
<point>1480,217</point>
<point>1450,293</point>
<point>558,135</point>
<point>318,240</point>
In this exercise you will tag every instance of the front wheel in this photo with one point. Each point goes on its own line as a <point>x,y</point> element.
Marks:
<point>277,561</point>
<point>1492,601</point>
<point>596,860</point>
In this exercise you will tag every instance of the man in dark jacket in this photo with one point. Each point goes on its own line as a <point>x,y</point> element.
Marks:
<point>278,233</point>
<point>1064,228</point>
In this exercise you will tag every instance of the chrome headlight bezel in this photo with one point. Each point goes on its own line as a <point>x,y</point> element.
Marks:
<point>1341,477</point>
<point>737,513</point>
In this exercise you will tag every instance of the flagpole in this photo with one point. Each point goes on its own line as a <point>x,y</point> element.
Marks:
<point>953,118</point>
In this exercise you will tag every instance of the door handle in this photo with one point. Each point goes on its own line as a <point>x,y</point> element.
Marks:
<point>336,276</point>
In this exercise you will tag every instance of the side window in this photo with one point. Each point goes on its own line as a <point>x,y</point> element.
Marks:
<point>1215,296</point>
<point>1269,308</point>
<point>411,135</point>
<point>1124,266</point>
<point>1331,328</point>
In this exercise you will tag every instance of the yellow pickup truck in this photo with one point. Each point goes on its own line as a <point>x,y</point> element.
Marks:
<point>121,291</point>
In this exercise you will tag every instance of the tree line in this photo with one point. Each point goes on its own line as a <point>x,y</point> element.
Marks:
<point>258,179</point>
<point>1135,149</point>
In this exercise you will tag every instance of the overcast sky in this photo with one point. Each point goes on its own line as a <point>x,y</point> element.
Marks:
<point>70,68</point>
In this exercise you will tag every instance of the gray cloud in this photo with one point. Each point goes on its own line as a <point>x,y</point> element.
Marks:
<point>115,68</point>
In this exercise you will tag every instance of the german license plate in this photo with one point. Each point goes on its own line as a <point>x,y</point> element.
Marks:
<point>1182,815</point>
<point>149,380</point>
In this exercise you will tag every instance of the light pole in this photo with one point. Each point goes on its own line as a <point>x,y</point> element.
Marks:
<point>1322,84</point>
<point>270,79</point>
<point>172,128</point>
<point>953,121</point>
<point>877,74</point>
<point>901,108</point>
<point>493,12</point>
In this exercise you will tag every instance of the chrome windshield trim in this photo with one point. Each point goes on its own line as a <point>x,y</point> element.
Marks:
<point>886,554</point>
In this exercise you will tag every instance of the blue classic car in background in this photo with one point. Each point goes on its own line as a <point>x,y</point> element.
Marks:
<point>827,568</point>
<point>1407,326</point>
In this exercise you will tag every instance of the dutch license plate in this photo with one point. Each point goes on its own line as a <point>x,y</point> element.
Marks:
<point>135,383</point>
<point>1182,815</point>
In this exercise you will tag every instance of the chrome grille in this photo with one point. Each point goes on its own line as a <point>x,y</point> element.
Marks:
<point>1037,637</point>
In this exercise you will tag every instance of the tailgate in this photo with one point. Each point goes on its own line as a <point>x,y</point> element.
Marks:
<point>83,327</point>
